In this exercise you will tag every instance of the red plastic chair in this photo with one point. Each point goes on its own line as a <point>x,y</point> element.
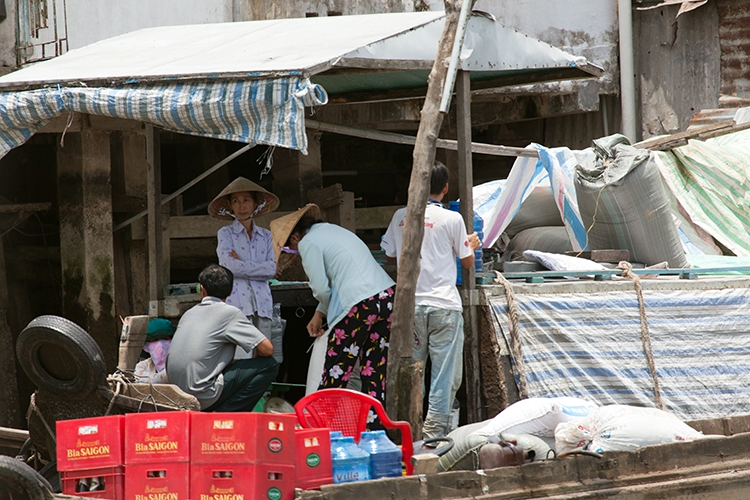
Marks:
<point>346,410</point>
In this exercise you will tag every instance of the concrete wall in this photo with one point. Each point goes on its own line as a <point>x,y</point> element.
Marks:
<point>678,65</point>
<point>581,27</point>
<point>278,9</point>
<point>8,39</point>
<point>93,20</point>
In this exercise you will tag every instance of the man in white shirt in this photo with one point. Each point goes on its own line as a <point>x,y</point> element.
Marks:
<point>438,315</point>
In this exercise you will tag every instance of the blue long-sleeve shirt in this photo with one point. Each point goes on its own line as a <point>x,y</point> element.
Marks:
<point>255,266</point>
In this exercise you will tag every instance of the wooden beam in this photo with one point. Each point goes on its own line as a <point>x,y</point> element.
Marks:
<point>14,208</point>
<point>156,282</point>
<point>377,135</point>
<point>682,138</point>
<point>472,376</point>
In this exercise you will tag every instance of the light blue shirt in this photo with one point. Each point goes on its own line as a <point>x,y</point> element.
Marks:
<point>341,270</point>
<point>251,293</point>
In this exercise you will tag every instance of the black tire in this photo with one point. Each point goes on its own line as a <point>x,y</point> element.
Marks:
<point>20,481</point>
<point>52,476</point>
<point>61,357</point>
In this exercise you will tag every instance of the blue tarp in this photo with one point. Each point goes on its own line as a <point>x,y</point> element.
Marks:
<point>264,111</point>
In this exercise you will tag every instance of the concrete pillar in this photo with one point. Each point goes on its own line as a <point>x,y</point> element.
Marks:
<point>86,249</point>
<point>295,174</point>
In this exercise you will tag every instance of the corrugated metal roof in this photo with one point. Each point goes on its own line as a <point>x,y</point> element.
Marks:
<point>325,46</point>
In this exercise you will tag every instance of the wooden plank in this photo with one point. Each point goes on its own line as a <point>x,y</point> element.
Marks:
<point>326,197</point>
<point>13,208</point>
<point>472,368</point>
<point>701,133</point>
<point>205,226</point>
<point>375,217</point>
<point>377,135</point>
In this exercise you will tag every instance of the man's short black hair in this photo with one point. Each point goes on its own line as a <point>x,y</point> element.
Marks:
<point>217,280</point>
<point>438,178</point>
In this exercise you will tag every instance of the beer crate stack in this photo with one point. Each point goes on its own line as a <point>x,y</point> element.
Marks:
<point>157,455</point>
<point>248,454</point>
<point>90,457</point>
<point>313,461</point>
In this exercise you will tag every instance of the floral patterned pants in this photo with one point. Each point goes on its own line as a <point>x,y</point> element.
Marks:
<point>363,334</point>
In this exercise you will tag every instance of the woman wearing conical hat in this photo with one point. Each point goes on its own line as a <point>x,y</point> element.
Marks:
<point>355,298</point>
<point>247,250</point>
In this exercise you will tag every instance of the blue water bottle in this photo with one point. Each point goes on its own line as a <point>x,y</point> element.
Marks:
<point>478,254</point>
<point>385,456</point>
<point>479,229</point>
<point>349,462</point>
<point>456,207</point>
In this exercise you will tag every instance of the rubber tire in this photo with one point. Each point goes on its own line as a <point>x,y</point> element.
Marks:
<point>61,357</point>
<point>50,473</point>
<point>19,478</point>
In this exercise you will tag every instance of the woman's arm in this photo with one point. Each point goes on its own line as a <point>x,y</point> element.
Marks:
<point>246,269</point>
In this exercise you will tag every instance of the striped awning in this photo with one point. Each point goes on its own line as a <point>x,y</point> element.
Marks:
<point>266,111</point>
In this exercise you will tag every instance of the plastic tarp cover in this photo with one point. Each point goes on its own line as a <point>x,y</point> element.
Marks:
<point>265,111</point>
<point>711,180</point>
<point>588,345</point>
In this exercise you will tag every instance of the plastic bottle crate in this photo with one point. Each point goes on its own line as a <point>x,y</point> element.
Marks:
<point>313,461</point>
<point>158,481</point>
<point>243,438</point>
<point>257,481</point>
<point>157,437</point>
<point>111,480</point>
<point>90,443</point>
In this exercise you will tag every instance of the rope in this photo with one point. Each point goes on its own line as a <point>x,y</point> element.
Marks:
<point>119,378</point>
<point>120,382</point>
<point>515,344</point>
<point>627,272</point>
<point>33,407</point>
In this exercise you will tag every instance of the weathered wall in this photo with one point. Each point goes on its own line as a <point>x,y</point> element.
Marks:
<point>581,27</point>
<point>678,63</point>
<point>93,20</point>
<point>734,32</point>
<point>279,9</point>
<point>8,39</point>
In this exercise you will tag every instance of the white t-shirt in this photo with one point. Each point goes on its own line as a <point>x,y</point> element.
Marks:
<point>444,239</point>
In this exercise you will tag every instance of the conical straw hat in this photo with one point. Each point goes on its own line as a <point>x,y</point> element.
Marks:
<point>236,186</point>
<point>282,227</point>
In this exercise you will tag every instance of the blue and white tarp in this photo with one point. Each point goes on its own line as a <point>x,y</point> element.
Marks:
<point>555,166</point>
<point>266,111</point>
<point>587,344</point>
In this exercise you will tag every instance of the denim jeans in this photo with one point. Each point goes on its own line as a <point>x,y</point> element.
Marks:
<point>439,333</point>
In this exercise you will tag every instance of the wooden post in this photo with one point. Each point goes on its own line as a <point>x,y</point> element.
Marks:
<point>398,401</point>
<point>472,376</point>
<point>156,271</point>
<point>10,415</point>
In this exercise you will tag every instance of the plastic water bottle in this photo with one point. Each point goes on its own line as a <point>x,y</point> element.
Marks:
<point>349,462</point>
<point>385,456</point>
<point>478,254</point>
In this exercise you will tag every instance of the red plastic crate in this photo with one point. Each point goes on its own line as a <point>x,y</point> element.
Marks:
<point>90,443</point>
<point>242,438</point>
<point>158,481</point>
<point>112,480</point>
<point>157,437</point>
<point>313,458</point>
<point>251,482</point>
